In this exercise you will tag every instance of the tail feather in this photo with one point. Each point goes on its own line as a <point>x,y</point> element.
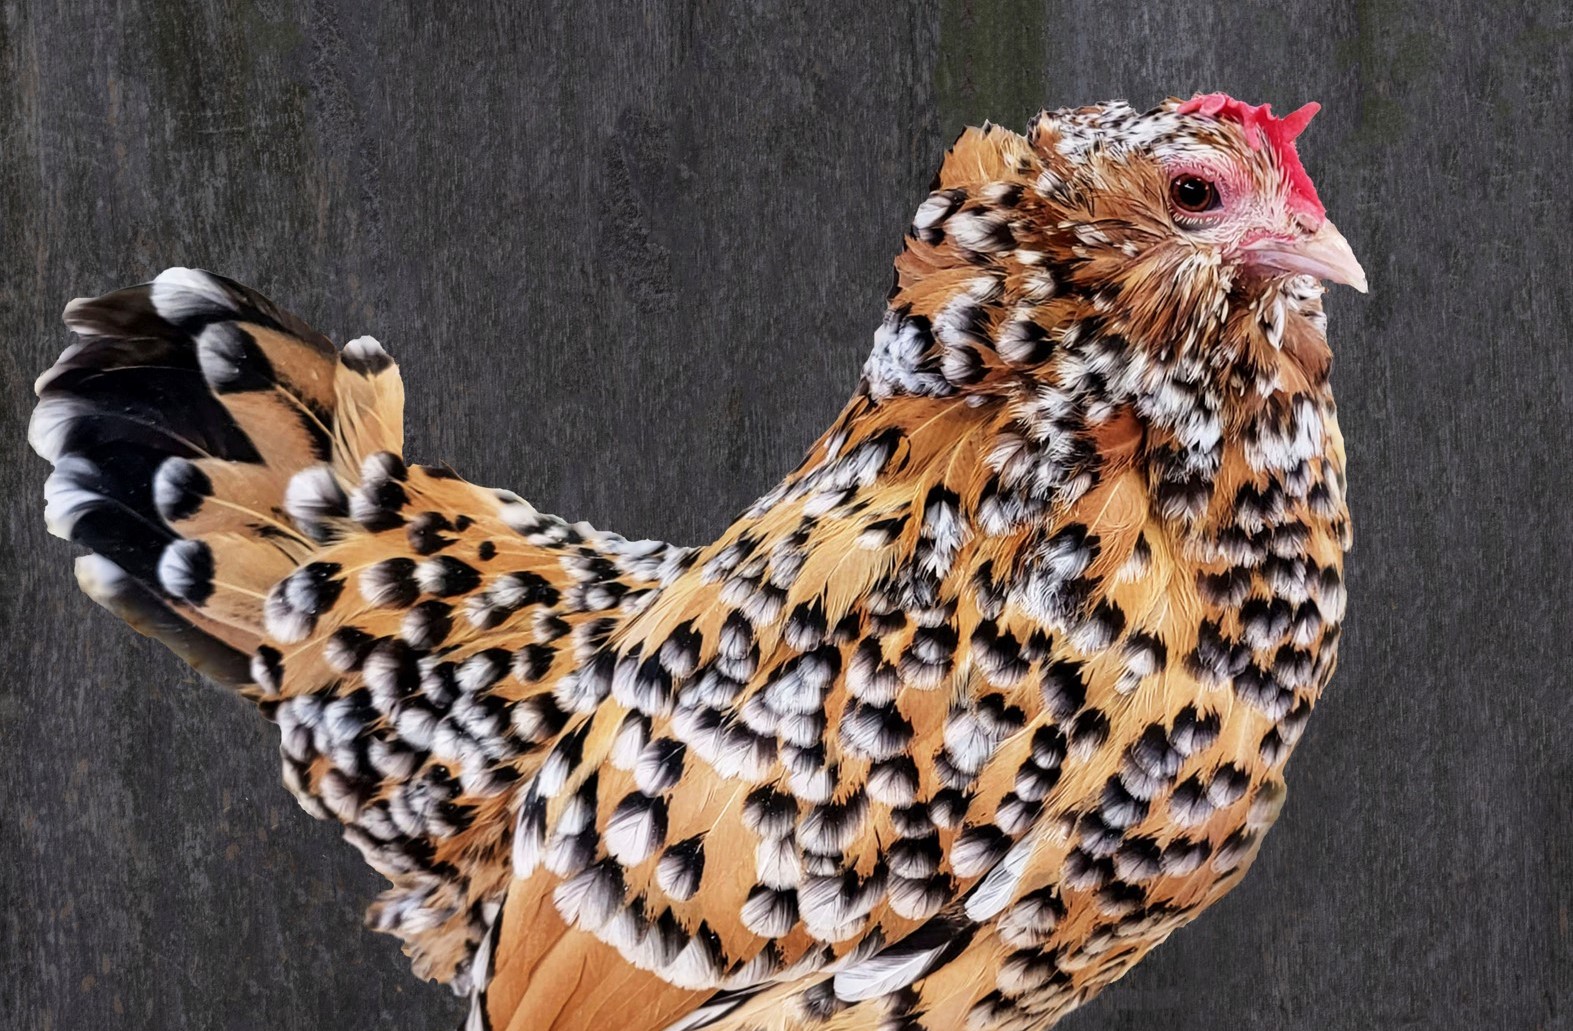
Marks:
<point>202,645</point>
<point>418,639</point>
<point>370,405</point>
<point>175,425</point>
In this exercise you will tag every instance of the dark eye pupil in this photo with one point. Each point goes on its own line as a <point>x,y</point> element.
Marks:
<point>1191,193</point>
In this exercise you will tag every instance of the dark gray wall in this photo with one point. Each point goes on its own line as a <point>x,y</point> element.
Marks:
<point>630,258</point>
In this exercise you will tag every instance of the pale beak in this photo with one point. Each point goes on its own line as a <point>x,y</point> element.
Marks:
<point>1325,254</point>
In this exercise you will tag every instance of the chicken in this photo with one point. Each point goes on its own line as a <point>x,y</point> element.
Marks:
<point>983,701</point>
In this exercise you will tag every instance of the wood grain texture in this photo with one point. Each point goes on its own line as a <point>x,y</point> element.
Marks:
<point>630,258</point>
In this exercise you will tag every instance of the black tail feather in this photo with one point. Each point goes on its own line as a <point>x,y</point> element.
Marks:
<point>145,390</point>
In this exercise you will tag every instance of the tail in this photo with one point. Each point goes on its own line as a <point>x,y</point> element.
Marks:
<point>175,426</point>
<point>421,641</point>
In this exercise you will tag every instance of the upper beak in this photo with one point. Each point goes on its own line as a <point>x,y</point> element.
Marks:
<point>1325,254</point>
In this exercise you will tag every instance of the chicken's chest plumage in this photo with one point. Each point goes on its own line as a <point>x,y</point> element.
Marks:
<point>1167,705</point>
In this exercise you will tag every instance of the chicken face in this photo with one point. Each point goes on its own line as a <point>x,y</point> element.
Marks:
<point>1269,216</point>
<point>1210,184</point>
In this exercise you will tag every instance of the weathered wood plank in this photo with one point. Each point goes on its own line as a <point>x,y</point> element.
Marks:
<point>630,257</point>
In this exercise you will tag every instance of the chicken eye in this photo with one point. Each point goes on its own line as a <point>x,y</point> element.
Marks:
<point>1193,194</point>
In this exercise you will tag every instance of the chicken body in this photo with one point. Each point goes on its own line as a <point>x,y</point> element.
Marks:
<point>983,701</point>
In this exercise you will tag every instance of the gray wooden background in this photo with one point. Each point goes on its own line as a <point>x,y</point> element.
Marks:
<point>630,257</point>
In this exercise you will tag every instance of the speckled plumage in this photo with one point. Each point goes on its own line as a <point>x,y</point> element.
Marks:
<point>984,700</point>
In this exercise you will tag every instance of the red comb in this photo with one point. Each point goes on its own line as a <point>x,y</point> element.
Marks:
<point>1278,133</point>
